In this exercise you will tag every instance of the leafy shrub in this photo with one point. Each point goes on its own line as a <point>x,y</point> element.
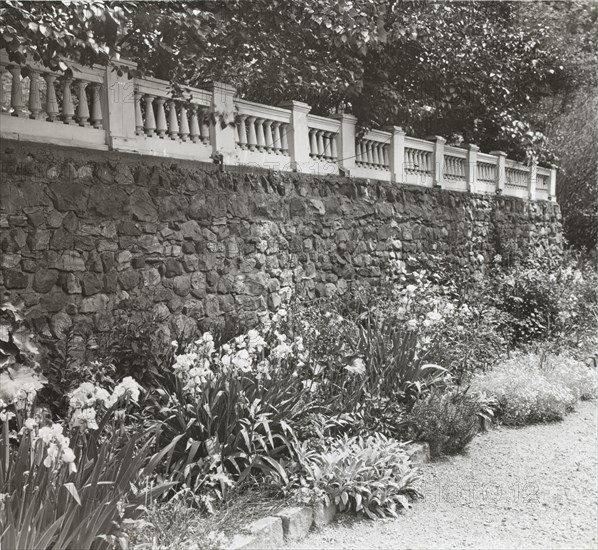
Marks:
<point>372,475</point>
<point>71,485</point>
<point>232,408</point>
<point>579,379</point>
<point>525,392</point>
<point>447,419</point>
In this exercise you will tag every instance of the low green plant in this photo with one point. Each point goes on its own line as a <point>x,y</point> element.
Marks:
<point>448,419</point>
<point>72,485</point>
<point>232,409</point>
<point>527,393</point>
<point>563,370</point>
<point>372,475</point>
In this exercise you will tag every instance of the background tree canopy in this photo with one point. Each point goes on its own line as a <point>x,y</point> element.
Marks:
<point>503,75</point>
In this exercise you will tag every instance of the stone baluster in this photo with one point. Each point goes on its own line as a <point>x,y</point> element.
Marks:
<point>96,106</point>
<point>138,114</point>
<point>313,145</point>
<point>150,119</point>
<point>4,99</point>
<point>369,153</point>
<point>35,101</point>
<point>184,123</point>
<point>68,109</point>
<point>259,130</point>
<point>173,120</point>
<point>268,135</point>
<point>194,126</point>
<point>333,148</point>
<point>284,138</point>
<point>385,157</point>
<point>276,137</point>
<point>375,157</point>
<point>320,143</point>
<point>326,141</point>
<point>242,131</point>
<point>204,125</point>
<point>51,101</point>
<point>358,157</point>
<point>161,125</point>
<point>16,92</point>
<point>82,105</point>
<point>251,135</point>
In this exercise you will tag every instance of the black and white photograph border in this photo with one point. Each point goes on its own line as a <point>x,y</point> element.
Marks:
<point>298,275</point>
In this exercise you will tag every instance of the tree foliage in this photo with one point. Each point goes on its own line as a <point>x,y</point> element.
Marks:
<point>498,74</point>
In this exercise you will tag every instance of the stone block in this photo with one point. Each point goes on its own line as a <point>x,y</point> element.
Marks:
<point>70,261</point>
<point>296,522</point>
<point>323,514</point>
<point>267,533</point>
<point>44,280</point>
<point>15,278</point>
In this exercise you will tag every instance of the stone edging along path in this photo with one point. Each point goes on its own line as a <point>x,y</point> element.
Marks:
<point>294,523</point>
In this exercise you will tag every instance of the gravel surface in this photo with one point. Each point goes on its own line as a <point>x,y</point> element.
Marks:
<point>532,487</point>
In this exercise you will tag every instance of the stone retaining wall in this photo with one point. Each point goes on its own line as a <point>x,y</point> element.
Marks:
<point>81,231</point>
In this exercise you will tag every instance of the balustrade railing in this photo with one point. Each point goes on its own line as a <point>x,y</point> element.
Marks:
<point>98,107</point>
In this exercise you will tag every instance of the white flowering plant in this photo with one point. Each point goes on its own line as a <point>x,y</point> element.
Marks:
<point>67,483</point>
<point>530,390</point>
<point>234,406</point>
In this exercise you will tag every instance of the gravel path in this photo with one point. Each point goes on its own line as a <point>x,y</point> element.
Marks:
<point>533,487</point>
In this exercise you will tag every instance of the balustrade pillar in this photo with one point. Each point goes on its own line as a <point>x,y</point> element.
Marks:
<point>82,105</point>
<point>375,156</point>
<point>259,131</point>
<point>268,135</point>
<point>397,154</point>
<point>35,101</point>
<point>52,111</point>
<point>4,98</point>
<point>251,136</point>
<point>184,123</point>
<point>119,111</point>
<point>276,137</point>
<point>16,92</point>
<point>150,119</point>
<point>313,144</point>
<point>68,108</point>
<point>242,131</point>
<point>284,139</point>
<point>138,114</point>
<point>438,160</point>
<point>471,167</point>
<point>96,106</point>
<point>194,126</point>
<point>552,185</point>
<point>204,125</point>
<point>161,125</point>
<point>532,178</point>
<point>173,120</point>
<point>347,152</point>
<point>222,132</point>
<point>333,148</point>
<point>297,133</point>
<point>501,171</point>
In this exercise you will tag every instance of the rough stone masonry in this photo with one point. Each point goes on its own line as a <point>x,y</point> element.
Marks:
<point>83,232</point>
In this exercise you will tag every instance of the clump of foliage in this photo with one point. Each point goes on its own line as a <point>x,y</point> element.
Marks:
<point>448,419</point>
<point>231,409</point>
<point>527,393</point>
<point>69,484</point>
<point>546,298</point>
<point>371,475</point>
